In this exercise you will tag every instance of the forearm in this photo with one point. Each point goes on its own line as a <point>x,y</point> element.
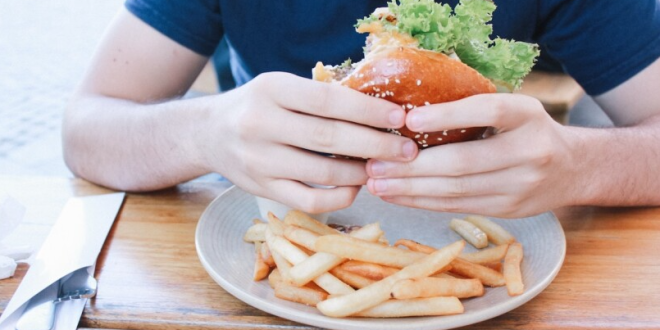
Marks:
<point>130,146</point>
<point>619,166</point>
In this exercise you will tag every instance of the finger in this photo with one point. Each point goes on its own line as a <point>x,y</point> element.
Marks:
<point>300,165</point>
<point>503,111</point>
<point>343,138</point>
<point>484,205</point>
<point>495,153</point>
<point>492,183</point>
<point>334,101</point>
<point>312,200</point>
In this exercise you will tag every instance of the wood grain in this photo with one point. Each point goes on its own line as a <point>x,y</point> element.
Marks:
<point>150,277</point>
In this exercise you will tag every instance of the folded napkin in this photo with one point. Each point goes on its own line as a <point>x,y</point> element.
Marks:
<point>11,215</point>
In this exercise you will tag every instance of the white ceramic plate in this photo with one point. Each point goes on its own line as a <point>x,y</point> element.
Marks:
<point>230,261</point>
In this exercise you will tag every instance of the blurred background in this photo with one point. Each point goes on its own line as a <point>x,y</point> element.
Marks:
<point>45,47</point>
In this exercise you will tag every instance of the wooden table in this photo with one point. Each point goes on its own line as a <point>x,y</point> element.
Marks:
<point>150,277</point>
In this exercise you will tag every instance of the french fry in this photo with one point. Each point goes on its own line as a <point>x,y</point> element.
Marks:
<point>261,269</point>
<point>512,273</point>
<point>351,279</point>
<point>496,234</point>
<point>471,233</point>
<point>369,270</point>
<point>256,233</point>
<point>414,246</point>
<point>485,256</point>
<point>300,219</point>
<point>303,295</point>
<point>356,249</point>
<point>274,278</point>
<point>322,262</point>
<point>256,221</point>
<point>266,256</point>
<point>437,287</point>
<point>275,224</point>
<point>294,255</point>
<point>484,274</point>
<point>380,291</point>
<point>461,267</point>
<point>301,236</point>
<point>496,266</point>
<point>415,307</point>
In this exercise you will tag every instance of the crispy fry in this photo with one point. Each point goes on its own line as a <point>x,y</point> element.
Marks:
<point>356,249</point>
<point>512,273</point>
<point>256,233</point>
<point>300,219</point>
<point>485,256</point>
<point>351,279</point>
<point>303,295</point>
<point>369,270</point>
<point>437,287</point>
<point>484,274</point>
<point>274,278</point>
<point>380,291</point>
<point>415,307</point>
<point>301,236</point>
<point>266,256</point>
<point>261,269</point>
<point>256,221</point>
<point>275,224</point>
<point>322,262</point>
<point>283,266</point>
<point>414,246</point>
<point>496,234</point>
<point>496,266</point>
<point>294,255</point>
<point>471,233</point>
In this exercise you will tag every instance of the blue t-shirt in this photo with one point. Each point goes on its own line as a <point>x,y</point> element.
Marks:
<point>600,43</point>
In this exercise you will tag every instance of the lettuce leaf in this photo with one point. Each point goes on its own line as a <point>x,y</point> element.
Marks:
<point>463,30</point>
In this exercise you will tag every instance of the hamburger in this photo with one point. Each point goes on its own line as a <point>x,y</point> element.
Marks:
<point>419,52</point>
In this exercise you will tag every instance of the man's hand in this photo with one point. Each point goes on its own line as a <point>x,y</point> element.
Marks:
<point>524,168</point>
<point>262,136</point>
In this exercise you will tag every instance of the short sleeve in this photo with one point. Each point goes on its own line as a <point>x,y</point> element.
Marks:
<point>195,24</point>
<point>601,43</point>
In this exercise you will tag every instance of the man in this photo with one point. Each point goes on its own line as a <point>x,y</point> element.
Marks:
<point>127,129</point>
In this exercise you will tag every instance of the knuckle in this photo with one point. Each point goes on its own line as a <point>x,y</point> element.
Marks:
<point>324,135</point>
<point>325,174</point>
<point>321,100</point>
<point>459,187</point>
<point>451,205</point>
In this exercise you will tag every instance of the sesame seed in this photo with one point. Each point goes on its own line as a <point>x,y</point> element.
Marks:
<point>462,131</point>
<point>419,82</point>
<point>392,93</point>
<point>372,83</point>
<point>360,75</point>
<point>444,133</point>
<point>387,81</point>
<point>419,142</point>
<point>417,136</point>
<point>427,103</point>
<point>439,139</point>
<point>425,145</point>
<point>397,81</point>
<point>376,89</point>
<point>426,136</point>
<point>409,106</point>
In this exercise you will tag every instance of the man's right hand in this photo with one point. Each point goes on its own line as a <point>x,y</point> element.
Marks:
<point>266,137</point>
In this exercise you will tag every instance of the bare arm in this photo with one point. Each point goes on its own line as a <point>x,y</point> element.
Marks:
<point>127,130</point>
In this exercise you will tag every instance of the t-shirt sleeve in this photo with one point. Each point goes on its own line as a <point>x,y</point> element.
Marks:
<point>194,24</point>
<point>601,43</point>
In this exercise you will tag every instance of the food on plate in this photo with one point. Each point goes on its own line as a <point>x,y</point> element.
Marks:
<point>358,276</point>
<point>471,233</point>
<point>511,270</point>
<point>496,234</point>
<point>419,53</point>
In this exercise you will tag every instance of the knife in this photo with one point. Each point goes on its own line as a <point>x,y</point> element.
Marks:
<point>40,313</point>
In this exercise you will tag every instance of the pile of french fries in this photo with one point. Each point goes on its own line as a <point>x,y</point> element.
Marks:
<point>360,275</point>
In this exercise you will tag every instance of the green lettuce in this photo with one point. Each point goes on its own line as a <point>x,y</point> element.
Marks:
<point>463,30</point>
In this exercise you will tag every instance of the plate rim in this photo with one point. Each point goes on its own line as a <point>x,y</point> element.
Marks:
<point>304,317</point>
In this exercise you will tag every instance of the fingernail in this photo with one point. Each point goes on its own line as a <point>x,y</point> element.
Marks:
<point>396,118</point>
<point>415,121</point>
<point>380,186</point>
<point>377,168</point>
<point>409,149</point>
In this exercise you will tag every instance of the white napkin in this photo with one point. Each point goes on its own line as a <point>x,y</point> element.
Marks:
<point>11,215</point>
